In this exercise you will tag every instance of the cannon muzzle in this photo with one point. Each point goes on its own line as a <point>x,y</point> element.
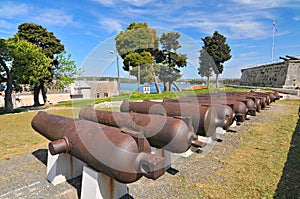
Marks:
<point>106,149</point>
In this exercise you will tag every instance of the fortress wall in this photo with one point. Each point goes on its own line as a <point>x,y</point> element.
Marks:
<point>277,75</point>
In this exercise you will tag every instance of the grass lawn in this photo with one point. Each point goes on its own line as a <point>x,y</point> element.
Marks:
<point>262,160</point>
<point>17,136</point>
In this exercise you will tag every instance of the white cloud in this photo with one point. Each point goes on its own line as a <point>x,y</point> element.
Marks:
<point>10,10</point>
<point>105,2</point>
<point>111,25</point>
<point>296,18</point>
<point>259,4</point>
<point>5,24</point>
<point>110,3</point>
<point>231,20</point>
<point>138,2</point>
<point>55,17</point>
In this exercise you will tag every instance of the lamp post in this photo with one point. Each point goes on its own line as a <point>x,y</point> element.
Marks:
<point>115,52</point>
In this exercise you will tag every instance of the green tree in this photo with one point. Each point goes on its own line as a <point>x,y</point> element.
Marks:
<point>22,61</point>
<point>217,48</point>
<point>65,70</point>
<point>207,65</point>
<point>171,62</point>
<point>138,37</point>
<point>135,45</point>
<point>144,61</point>
<point>6,74</point>
<point>50,46</point>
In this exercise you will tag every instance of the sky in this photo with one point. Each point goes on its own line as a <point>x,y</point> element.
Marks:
<point>88,28</point>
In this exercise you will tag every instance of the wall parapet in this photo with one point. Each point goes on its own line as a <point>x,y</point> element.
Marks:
<point>285,74</point>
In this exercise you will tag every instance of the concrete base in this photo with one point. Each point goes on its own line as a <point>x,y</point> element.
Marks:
<point>166,154</point>
<point>100,186</point>
<point>220,131</point>
<point>233,124</point>
<point>189,152</point>
<point>63,167</point>
<point>207,140</point>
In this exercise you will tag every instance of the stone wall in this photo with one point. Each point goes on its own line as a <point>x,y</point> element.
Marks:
<point>100,88</point>
<point>293,76</point>
<point>22,99</point>
<point>94,89</point>
<point>277,75</point>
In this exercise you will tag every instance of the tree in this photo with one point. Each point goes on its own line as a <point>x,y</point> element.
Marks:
<point>22,62</point>
<point>50,46</point>
<point>171,62</point>
<point>138,37</point>
<point>135,45</point>
<point>217,48</point>
<point>5,62</point>
<point>207,65</point>
<point>144,61</point>
<point>65,70</point>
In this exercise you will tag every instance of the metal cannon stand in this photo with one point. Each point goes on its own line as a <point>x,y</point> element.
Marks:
<point>63,167</point>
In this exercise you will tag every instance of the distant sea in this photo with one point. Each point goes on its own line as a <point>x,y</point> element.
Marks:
<point>134,87</point>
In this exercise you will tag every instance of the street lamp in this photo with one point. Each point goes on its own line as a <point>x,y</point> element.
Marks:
<point>115,52</point>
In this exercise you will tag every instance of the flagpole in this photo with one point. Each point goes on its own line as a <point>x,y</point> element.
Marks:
<point>274,24</point>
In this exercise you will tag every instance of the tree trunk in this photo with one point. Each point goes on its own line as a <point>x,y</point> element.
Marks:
<point>155,80</point>
<point>36,93</point>
<point>156,84</point>
<point>170,86</point>
<point>139,78</point>
<point>166,86</point>
<point>8,107</point>
<point>176,86</point>
<point>217,80</point>
<point>207,81</point>
<point>44,93</point>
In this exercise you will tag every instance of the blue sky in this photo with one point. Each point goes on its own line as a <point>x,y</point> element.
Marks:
<point>87,28</point>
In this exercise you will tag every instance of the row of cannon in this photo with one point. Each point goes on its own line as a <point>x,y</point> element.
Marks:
<point>119,143</point>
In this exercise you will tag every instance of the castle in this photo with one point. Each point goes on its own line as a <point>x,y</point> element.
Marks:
<point>284,74</point>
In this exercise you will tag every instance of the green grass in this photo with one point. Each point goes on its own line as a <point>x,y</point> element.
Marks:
<point>17,136</point>
<point>140,96</point>
<point>255,167</point>
<point>2,112</point>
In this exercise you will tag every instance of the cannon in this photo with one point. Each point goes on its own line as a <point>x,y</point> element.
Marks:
<point>106,149</point>
<point>239,108</point>
<point>266,98</point>
<point>224,112</point>
<point>172,134</point>
<point>204,119</point>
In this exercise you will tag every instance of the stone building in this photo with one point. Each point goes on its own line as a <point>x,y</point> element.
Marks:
<point>93,89</point>
<point>284,74</point>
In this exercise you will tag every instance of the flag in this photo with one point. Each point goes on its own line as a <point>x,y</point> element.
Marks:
<point>274,25</point>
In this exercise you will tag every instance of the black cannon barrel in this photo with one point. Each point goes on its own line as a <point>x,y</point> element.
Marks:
<point>106,149</point>
<point>224,112</point>
<point>204,119</point>
<point>164,132</point>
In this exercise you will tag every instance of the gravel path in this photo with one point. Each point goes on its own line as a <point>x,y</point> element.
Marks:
<point>24,176</point>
